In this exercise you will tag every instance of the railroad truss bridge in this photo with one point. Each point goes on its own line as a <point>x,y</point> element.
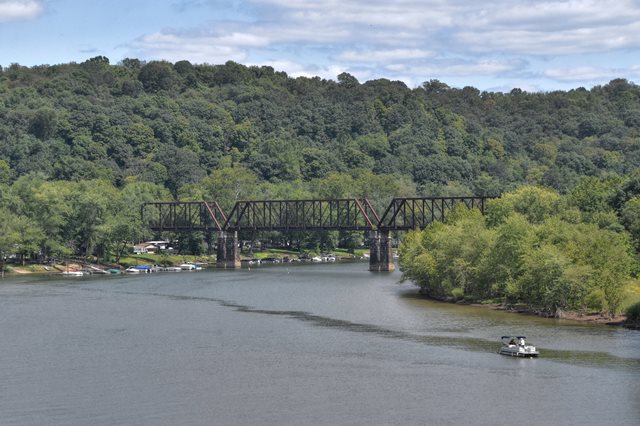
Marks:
<point>349,214</point>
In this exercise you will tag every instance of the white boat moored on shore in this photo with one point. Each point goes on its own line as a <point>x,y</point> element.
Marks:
<point>142,269</point>
<point>517,346</point>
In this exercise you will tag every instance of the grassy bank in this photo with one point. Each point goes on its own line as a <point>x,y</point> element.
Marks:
<point>164,259</point>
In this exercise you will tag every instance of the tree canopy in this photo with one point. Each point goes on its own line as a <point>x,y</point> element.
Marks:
<point>174,124</point>
<point>533,247</point>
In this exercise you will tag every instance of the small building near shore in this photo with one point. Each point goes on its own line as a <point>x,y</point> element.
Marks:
<point>151,247</point>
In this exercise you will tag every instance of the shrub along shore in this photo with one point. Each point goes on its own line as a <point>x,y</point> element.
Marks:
<point>534,251</point>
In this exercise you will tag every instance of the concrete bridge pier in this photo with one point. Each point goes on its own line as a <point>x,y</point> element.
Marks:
<point>380,255</point>
<point>228,254</point>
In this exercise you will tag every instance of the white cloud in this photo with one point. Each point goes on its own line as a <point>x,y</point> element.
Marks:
<point>242,39</point>
<point>552,14</point>
<point>295,69</point>
<point>569,42</point>
<point>466,68</point>
<point>198,48</point>
<point>527,26</point>
<point>589,73</point>
<point>384,55</point>
<point>19,9</point>
<point>399,13</point>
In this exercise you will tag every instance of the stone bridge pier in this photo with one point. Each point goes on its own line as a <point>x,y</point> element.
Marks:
<point>228,254</point>
<point>380,255</point>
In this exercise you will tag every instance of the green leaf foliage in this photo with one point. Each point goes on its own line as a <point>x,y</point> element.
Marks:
<point>97,120</point>
<point>523,253</point>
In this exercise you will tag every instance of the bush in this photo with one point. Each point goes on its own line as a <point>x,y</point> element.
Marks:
<point>457,293</point>
<point>596,301</point>
<point>633,313</point>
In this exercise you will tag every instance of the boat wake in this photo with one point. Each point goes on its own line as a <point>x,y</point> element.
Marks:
<point>586,358</point>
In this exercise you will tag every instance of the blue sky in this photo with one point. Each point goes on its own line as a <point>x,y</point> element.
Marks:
<point>492,45</point>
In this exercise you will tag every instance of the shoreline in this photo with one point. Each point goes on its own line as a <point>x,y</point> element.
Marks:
<point>593,318</point>
<point>590,318</point>
<point>619,320</point>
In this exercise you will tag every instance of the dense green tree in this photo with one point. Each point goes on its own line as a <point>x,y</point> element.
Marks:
<point>525,252</point>
<point>536,204</point>
<point>5,172</point>
<point>43,123</point>
<point>335,185</point>
<point>9,235</point>
<point>123,223</point>
<point>29,237</point>
<point>157,75</point>
<point>226,186</point>
<point>182,167</point>
<point>631,219</point>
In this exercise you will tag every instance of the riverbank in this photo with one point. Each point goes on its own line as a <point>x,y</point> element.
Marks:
<point>631,297</point>
<point>269,255</point>
<point>593,317</point>
<point>266,256</point>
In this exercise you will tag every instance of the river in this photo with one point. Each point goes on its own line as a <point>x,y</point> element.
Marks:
<point>322,344</point>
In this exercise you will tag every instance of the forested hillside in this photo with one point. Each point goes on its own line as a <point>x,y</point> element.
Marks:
<point>174,124</point>
<point>81,145</point>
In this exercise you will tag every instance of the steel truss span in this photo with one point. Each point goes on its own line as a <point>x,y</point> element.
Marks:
<point>348,214</point>
<point>404,214</point>
<point>302,215</point>
<point>183,216</point>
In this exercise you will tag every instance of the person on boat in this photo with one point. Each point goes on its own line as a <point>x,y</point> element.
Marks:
<point>522,341</point>
<point>512,341</point>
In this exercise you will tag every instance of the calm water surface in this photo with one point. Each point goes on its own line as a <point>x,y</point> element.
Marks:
<point>313,344</point>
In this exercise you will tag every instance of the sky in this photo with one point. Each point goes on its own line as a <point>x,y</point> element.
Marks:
<point>493,45</point>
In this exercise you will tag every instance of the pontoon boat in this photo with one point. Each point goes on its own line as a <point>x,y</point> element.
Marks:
<point>516,346</point>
